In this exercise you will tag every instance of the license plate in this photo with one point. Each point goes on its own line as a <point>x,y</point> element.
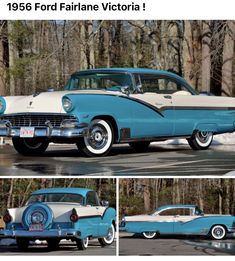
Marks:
<point>36,227</point>
<point>27,132</point>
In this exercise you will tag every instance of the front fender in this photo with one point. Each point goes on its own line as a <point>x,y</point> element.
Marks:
<point>88,106</point>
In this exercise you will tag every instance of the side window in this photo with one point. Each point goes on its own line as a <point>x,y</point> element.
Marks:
<point>92,199</point>
<point>176,212</point>
<point>158,84</point>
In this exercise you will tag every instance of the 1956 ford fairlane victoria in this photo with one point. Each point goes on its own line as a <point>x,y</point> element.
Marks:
<point>100,107</point>
<point>53,214</point>
<point>179,220</point>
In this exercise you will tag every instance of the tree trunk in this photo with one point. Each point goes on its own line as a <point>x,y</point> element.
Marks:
<point>228,56</point>
<point>187,54</point>
<point>4,57</point>
<point>206,56</point>
<point>146,195</point>
<point>12,58</point>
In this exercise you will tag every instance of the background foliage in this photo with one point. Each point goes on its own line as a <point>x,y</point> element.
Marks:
<point>15,192</point>
<point>139,196</point>
<point>40,54</point>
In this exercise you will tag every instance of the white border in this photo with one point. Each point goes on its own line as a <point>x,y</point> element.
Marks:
<point>154,9</point>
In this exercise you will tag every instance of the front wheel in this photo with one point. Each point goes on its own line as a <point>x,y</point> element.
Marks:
<point>82,244</point>
<point>218,232</point>
<point>108,240</point>
<point>29,146</point>
<point>201,140</point>
<point>99,139</point>
<point>149,235</point>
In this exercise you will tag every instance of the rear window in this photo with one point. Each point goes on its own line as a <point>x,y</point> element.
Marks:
<point>56,197</point>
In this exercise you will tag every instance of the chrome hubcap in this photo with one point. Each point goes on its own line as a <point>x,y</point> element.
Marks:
<point>98,137</point>
<point>218,232</point>
<point>110,235</point>
<point>203,136</point>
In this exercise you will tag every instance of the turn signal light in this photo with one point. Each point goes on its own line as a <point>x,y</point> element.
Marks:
<point>74,216</point>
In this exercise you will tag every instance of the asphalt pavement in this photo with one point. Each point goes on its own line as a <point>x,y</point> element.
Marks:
<point>158,160</point>
<point>66,249</point>
<point>131,244</point>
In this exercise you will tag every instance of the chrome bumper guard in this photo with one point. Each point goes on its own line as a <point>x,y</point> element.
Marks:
<point>52,233</point>
<point>231,230</point>
<point>68,129</point>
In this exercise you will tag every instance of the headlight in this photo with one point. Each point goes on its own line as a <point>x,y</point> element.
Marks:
<point>67,104</point>
<point>2,105</point>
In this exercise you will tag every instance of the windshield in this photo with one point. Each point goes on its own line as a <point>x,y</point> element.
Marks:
<point>108,81</point>
<point>56,197</point>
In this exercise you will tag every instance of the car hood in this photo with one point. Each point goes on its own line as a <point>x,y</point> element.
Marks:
<point>61,211</point>
<point>45,102</point>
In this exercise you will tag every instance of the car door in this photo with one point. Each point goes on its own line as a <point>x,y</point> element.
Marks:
<point>182,221</point>
<point>153,112</point>
<point>164,221</point>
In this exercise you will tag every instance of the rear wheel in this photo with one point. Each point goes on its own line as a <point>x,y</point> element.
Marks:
<point>139,145</point>
<point>29,147</point>
<point>99,139</point>
<point>82,244</point>
<point>108,240</point>
<point>218,232</point>
<point>201,140</point>
<point>22,244</point>
<point>149,235</point>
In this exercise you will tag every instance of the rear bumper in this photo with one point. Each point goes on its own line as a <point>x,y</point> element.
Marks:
<point>52,233</point>
<point>78,130</point>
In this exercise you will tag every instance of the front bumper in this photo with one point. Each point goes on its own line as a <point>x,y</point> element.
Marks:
<point>79,130</point>
<point>52,233</point>
<point>231,230</point>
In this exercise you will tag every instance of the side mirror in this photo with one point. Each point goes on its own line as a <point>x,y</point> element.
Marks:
<point>125,89</point>
<point>104,203</point>
<point>51,89</point>
<point>139,88</point>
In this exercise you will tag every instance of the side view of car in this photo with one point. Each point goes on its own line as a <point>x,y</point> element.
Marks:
<point>179,220</point>
<point>101,107</point>
<point>53,214</point>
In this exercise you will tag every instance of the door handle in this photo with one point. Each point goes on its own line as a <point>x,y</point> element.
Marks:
<point>167,96</point>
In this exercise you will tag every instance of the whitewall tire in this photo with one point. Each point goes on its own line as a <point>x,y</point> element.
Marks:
<point>99,140</point>
<point>218,232</point>
<point>149,235</point>
<point>82,244</point>
<point>201,140</point>
<point>108,240</point>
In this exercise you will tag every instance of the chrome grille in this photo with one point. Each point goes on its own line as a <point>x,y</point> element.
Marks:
<point>36,120</point>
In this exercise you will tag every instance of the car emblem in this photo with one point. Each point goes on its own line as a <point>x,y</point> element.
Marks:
<point>30,104</point>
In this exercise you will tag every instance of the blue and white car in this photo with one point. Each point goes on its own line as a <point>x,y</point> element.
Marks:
<point>53,214</point>
<point>100,107</point>
<point>179,220</point>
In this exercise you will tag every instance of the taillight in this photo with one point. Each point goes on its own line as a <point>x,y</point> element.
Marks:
<point>74,216</point>
<point>7,218</point>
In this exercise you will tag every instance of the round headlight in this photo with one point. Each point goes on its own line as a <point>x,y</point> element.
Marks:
<point>67,104</point>
<point>2,105</point>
